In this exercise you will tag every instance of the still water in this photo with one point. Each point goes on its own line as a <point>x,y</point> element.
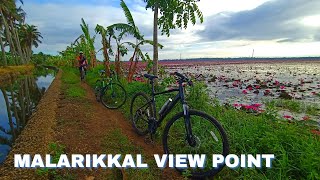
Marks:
<point>18,100</point>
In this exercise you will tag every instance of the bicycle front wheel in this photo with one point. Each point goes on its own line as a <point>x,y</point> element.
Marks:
<point>208,134</point>
<point>113,96</point>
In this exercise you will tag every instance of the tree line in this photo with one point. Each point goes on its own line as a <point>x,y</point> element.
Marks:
<point>168,14</point>
<point>16,37</point>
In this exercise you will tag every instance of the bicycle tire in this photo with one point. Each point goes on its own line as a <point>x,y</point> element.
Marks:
<point>82,74</point>
<point>225,145</point>
<point>97,89</point>
<point>133,113</point>
<point>105,98</point>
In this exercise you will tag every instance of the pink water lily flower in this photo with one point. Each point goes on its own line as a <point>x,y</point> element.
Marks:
<point>287,116</point>
<point>282,87</point>
<point>257,105</point>
<point>237,105</point>
<point>244,91</point>
<point>250,107</point>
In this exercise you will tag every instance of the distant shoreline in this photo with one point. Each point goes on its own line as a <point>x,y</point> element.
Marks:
<point>217,61</point>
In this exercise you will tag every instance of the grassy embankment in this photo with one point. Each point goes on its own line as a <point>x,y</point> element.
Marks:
<point>295,148</point>
<point>9,71</point>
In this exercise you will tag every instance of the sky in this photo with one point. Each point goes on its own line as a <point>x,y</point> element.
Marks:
<point>231,28</point>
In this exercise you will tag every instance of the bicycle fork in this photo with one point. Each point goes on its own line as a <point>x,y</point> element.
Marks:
<point>190,137</point>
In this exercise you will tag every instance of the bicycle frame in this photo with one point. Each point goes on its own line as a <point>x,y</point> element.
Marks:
<point>107,81</point>
<point>179,97</point>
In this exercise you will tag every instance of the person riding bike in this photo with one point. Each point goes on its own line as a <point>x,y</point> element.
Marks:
<point>82,62</point>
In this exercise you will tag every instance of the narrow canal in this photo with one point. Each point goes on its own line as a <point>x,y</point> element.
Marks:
<point>18,100</point>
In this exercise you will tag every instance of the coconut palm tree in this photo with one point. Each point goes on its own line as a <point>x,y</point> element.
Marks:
<point>4,57</point>
<point>29,36</point>
<point>9,15</point>
<point>17,16</point>
<point>6,7</point>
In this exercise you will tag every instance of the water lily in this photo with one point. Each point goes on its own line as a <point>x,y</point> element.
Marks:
<point>314,131</point>
<point>287,117</point>
<point>250,88</point>
<point>257,105</point>
<point>282,87</point>
<point>267,92</point>
<point>244,91</point>
<point>305,118</point>
<point>237,105</point>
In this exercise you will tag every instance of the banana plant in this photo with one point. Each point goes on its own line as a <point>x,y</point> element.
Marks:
<point>137,54</point>
<point>89,43</point>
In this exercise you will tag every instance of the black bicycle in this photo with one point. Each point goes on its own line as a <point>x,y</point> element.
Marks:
<point>188,132</point>
<point>111,94</point>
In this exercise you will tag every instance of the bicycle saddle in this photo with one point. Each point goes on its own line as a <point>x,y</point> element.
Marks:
<point>150,76</point>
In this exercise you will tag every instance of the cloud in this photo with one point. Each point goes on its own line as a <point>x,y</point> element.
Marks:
<point>272,20</point>
<point>59,24</point>
<point>231,28</point>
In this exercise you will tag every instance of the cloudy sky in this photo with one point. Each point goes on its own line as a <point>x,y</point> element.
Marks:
<point>231,28</point>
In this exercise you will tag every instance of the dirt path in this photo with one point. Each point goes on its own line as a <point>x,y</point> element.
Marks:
<point>82,126</point>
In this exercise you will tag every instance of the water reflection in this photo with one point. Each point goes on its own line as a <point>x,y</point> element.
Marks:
<point>18,99</point>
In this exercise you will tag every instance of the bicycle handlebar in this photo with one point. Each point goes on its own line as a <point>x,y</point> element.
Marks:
<point>183,78</point>
<point>112,72</point>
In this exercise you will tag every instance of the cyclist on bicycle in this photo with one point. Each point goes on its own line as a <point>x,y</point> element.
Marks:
<point>82,62</point>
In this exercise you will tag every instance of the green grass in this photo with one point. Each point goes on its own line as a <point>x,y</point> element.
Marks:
<point>71,83</point>
<point>70,76</point>
<point>75,91</point>
<point>294,106</point>
<point>56,150</point>
<point>294,146</point>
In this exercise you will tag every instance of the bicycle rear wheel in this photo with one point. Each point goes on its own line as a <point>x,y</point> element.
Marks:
<point>113,96</point>
<point>140,112</point>
<point>208,134</point>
